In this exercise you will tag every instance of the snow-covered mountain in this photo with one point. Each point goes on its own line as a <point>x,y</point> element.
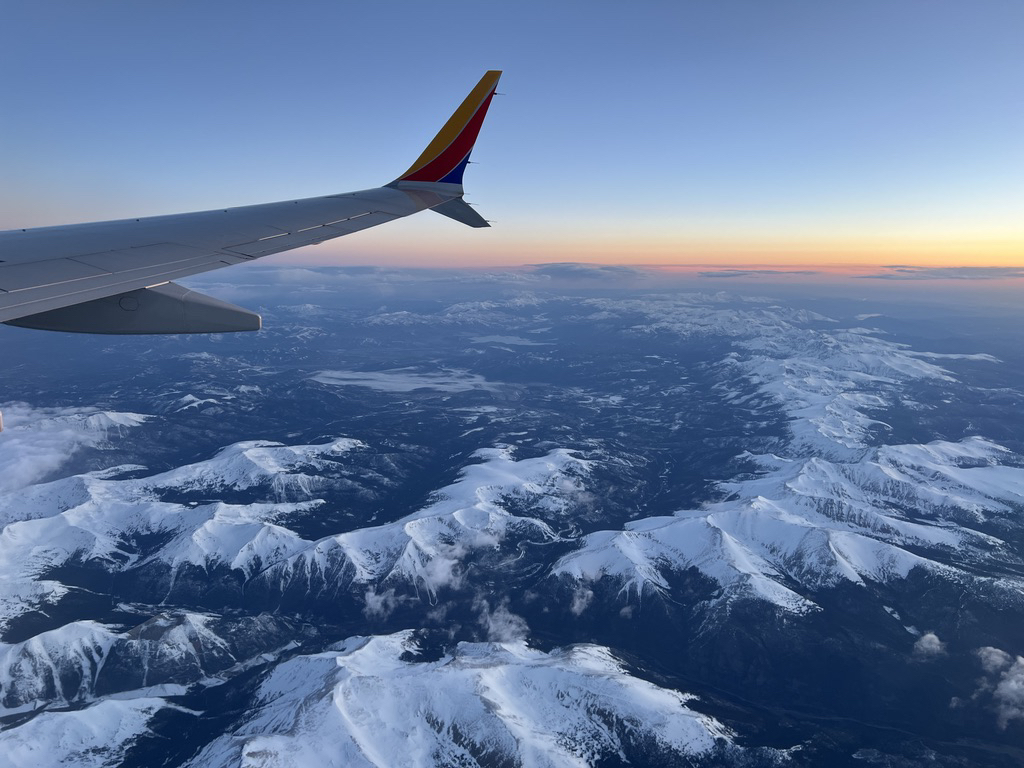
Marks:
<point>372,702</point>
<point>95,520</point>
<point>831,507</point>
<point>516,529</point>
<point>428,549</point>
<point>38,441</point>
<point>162,656</point>
<point>802,525</point>
<point>96,736</point>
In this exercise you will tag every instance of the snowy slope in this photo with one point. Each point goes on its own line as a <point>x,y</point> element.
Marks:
<point>37,441</point>
<point>826,378</point>
<point>94,519</point>
<point>53,668</point>
<point>804,525</point>
<point>427,548</point>
<point>98,532</point>
<point>163,655</point>
<point>286,468</point>
<point>368,703</point>
<point>830,507</point>
<point>96,736</point>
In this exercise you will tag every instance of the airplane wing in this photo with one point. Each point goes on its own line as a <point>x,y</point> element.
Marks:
<point>115,276</point>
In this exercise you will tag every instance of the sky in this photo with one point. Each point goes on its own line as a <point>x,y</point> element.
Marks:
<point>733,132</point>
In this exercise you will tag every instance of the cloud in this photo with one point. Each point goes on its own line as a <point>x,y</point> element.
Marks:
<point>901,272</point>
<point>39,441</point>
<point>581,600</point>
<point>993,660</point>
<point>928,646</point>
<point>379,606</point>
<point>1004,682</point>
<point>1009,694</point>
<point>575,271</point>
<point>755,272</point>
<point>444,570</point>
<point>501,624</point>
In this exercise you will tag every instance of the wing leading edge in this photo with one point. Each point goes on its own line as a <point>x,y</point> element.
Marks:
<point>115,276</point>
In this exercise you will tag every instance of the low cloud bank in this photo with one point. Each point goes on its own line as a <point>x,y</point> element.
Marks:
<point>755,272</point>
<point>902,272</point>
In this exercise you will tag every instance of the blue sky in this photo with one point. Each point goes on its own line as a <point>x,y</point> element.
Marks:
<point>791,131</point>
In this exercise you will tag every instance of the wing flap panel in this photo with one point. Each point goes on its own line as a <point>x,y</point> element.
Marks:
<point>358,223</point>
<point>310,235</point>
<point>19,277</point>
<point>140,258</point>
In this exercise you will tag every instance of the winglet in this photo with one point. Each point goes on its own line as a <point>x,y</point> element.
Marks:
<point>459,209</point>
<point>445,158</point>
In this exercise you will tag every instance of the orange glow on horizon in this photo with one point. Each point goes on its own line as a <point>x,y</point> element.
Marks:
<point>482,250</point>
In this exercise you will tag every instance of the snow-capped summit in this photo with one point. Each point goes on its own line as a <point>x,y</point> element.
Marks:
<point>370,702</point>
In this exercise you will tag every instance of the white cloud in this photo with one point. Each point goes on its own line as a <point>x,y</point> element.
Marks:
<point>993,659</point>
<point>379,606</point>
<point>501,624</point>
<point>37,442</point>
<point>1009,693</point>
<point>1004,682</point>
<point>902,272</point>
<point>928,646</point>
<point>577,271</point>
<point>443,569</point>
<point>581,600</point>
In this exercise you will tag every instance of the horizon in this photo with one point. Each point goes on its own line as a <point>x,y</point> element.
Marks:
<point>795,134</point>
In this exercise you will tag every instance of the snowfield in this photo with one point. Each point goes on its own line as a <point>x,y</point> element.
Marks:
<point>366,704</point>
<point>236,571</point>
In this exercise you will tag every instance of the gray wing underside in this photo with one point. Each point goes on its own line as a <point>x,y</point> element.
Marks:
<point>50,268</point>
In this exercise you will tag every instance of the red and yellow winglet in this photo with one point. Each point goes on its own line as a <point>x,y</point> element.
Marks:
<point>445,158</point>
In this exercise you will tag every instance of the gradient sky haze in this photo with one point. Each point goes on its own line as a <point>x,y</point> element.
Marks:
<point>727,132</point>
